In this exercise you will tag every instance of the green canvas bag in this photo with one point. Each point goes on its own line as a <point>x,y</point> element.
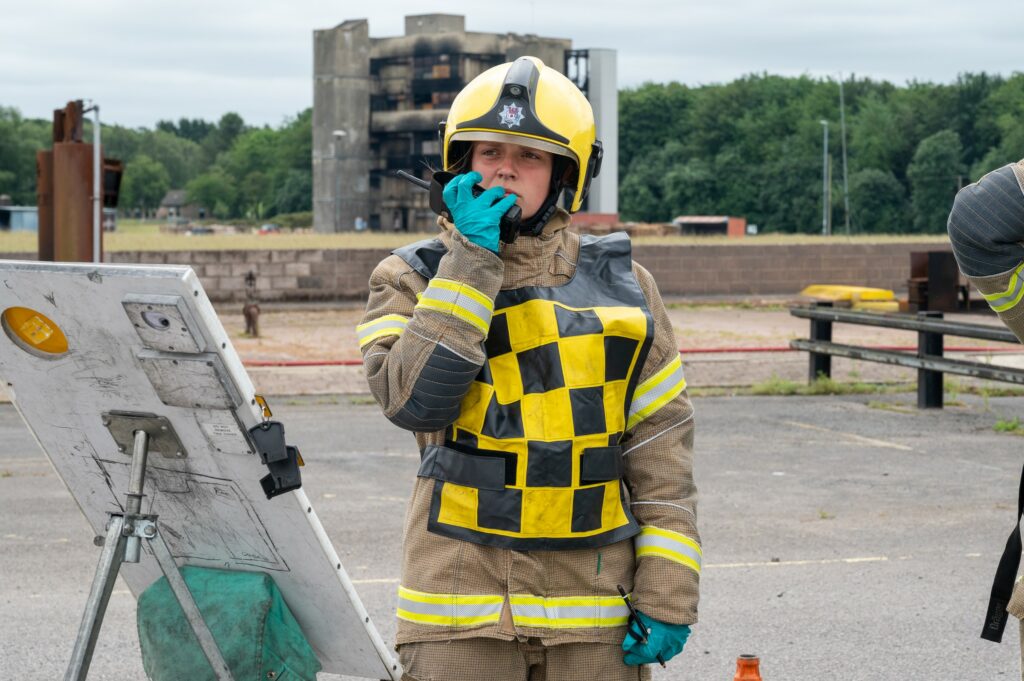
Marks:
<point>254,629</point>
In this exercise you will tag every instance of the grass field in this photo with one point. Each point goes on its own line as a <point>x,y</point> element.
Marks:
<point>138,235</point>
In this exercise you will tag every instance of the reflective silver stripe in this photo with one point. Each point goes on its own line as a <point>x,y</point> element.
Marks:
<point>568,612</point>
<point>455,611</point>
<point>665,386</point>
<point>654,542</point>
<point>370,330</point>
<point>648,540</point>
<point>563,612</point>
<point>1004,300</point>
<point>457,299</point>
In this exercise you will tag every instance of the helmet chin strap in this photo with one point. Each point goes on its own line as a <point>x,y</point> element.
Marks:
<point>534,225</point>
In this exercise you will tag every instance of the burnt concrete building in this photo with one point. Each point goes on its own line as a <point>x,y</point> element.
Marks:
<point>377,103</point>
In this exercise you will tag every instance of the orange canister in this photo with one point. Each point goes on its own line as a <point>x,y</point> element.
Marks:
<point>748,668</point>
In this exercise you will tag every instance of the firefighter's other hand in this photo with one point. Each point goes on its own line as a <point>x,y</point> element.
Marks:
<point>477,217</point>
<point>663,640</point>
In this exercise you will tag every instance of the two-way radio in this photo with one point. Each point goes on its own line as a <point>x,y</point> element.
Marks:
<point>510,221</point>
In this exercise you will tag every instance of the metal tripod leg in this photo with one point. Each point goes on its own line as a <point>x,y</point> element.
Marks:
<point>95,607</point>
<point>188,605</point>
<point>121,544</point>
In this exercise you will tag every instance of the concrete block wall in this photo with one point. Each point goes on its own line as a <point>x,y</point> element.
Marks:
<point>693,270</point>
<point>777,269</point>
<point>281,275</point>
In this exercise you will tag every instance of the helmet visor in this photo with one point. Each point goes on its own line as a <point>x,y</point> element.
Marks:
<point>522,140</point>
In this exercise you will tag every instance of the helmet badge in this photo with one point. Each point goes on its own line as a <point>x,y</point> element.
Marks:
<point>511,116</point>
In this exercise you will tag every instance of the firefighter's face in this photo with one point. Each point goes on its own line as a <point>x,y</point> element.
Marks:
<point>523,171</point>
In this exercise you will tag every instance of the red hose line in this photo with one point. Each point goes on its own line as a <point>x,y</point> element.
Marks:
<point>303,363</point>
<point>786,348</point>
<point>684,351</point>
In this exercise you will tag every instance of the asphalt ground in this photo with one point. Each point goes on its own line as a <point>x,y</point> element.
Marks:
<point>847,538</point>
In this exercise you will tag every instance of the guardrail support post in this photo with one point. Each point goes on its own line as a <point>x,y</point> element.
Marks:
<point>929,383</point>
<point>821,330</point>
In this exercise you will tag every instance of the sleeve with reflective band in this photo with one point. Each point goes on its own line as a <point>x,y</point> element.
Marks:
<point>657,391</point>
<point>388,325</point>
<point>1004,300</point>
<point>460,300</point>
<point>679,548</point>
<point>448,610</point>
<point>658,468</point>
<point>568,612</point>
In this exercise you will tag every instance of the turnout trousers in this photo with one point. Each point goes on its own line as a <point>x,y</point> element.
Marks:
<point>492,659</point>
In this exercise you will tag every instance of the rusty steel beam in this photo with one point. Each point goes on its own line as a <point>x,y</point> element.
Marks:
<point>67,122</point>
<point>927,362</point>
<point>44,203</point>
<point>72,202</point>
<point>64,179</point>
<point>908,323</point>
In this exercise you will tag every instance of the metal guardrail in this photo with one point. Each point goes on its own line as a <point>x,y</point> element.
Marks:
<point>924,321</point>
<point>931,331</point>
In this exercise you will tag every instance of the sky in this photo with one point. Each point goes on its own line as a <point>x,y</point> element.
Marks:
<point>147,60</point>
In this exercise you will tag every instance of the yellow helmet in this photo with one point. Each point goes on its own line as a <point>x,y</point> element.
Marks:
<point>525,102</point>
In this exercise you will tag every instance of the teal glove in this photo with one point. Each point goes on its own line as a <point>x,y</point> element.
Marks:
<point>663,640</point>
<point>477,217</point>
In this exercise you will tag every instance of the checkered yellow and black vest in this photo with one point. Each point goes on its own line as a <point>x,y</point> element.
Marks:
<point>533,461</point>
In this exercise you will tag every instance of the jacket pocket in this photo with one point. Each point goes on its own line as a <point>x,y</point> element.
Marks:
<point>469,470</point>
<point>600,464</point>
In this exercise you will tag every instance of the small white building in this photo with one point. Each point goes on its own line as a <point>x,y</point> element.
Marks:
<point>19,219</point>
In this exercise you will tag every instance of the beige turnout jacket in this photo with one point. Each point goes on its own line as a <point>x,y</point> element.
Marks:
<point>452,588</point>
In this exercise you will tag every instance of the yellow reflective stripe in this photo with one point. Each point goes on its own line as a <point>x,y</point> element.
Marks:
<point>471,599</point>
<point>657,391</point>
<point>460,300</point>
<point>444,620</point>
<point>569,601</point>
<point>1004,300</point>
<point>571,623</point>
<point>386,325</point>
<point>568,612</point>
<point>448,610</point>
<point>654,541</point>
<point>669,555</point>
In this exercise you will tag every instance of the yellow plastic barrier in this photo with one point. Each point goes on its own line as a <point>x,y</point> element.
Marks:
<point>840,292</point>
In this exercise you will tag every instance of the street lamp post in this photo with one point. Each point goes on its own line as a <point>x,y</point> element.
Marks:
<point>826,197</point>
<point>846,184</point>
<point>97,191</point>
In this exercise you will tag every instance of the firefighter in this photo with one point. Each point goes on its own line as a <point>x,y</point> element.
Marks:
<point>546,393</point>
<point>986,228</point>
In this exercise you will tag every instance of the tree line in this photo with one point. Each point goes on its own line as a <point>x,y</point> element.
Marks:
<point>751,147</point>
<point>235,170</point>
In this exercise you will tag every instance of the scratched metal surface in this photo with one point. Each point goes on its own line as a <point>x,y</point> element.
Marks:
<point>212,509</point>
